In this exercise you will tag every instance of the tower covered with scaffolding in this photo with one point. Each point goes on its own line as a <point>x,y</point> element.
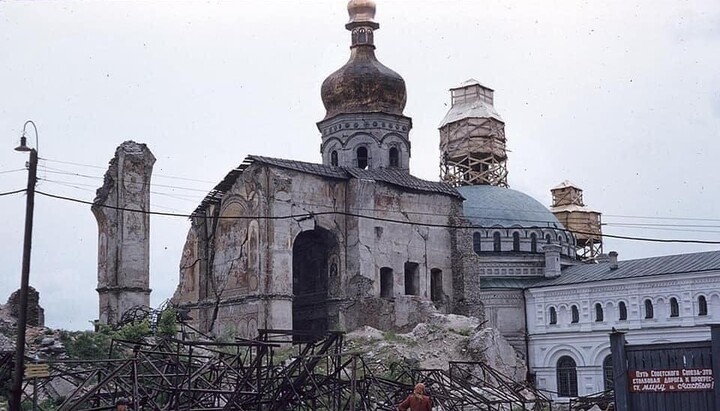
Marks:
<point>472,139</point>
<point>583,222</point>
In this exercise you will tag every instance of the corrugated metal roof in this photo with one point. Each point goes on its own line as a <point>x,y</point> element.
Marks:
<point>487,206</point>
<point>645,267</point>
<point>389,176</point>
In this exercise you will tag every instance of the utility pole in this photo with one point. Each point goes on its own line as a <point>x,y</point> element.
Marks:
<point>16,390</point>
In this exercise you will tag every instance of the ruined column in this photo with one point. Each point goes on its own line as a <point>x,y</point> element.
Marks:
<point>124,232</point>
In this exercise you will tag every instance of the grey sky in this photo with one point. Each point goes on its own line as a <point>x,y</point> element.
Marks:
<point>621,97</point>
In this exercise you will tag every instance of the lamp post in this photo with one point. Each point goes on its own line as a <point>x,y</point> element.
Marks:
<point>16,390</point>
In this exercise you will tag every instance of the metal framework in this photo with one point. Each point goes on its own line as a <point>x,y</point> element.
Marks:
<point>605,400</point>
<point>279,370</point>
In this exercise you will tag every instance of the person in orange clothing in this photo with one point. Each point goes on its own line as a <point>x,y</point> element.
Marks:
<point>417,401</point>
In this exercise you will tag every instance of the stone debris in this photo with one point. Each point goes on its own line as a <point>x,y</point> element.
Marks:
<point>432,344</point>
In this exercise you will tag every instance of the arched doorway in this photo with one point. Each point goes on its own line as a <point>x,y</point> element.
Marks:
<point>313,264</point>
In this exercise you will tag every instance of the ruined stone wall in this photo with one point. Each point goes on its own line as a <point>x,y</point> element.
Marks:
<point>123,231</point>
<point>319,204</point>
<point>376,246</point>
<point>35,313</point>
<point>245,263</point>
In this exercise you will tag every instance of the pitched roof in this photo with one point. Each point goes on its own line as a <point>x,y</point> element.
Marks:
<point>644,267</point>
<point>403,179</point>
<point>303,167</point>
<point>389,176</point>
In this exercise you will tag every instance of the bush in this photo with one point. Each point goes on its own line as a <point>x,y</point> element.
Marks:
<point>87,345</point>
<point>167,323</point>
<point>134,331</point>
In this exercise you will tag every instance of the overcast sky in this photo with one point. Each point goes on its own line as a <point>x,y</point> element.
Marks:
<point>621,97</point>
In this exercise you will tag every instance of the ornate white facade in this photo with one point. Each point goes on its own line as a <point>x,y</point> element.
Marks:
<point>666,299</point>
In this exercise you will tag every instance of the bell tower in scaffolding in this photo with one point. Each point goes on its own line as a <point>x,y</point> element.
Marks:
<point>472,139</point>
<point>584,223</point>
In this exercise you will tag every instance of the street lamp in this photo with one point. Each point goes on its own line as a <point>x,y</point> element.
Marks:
<point>16,391</point>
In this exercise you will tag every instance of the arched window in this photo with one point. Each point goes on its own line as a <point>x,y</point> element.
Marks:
<point>575,314</point>
<point>394,157</point>
<point>334,158</point>
<point>702,305</point>
<point>533,243</point>
<point>566,377</point>
<point>436,286</point>
<point>608,376</point>
<point>548,238</point>
<point>622,314</point>
<point>387,281</point>
<point>477,240</point>
<point>412,278</point>
<point>649,309</point>
<point>496,242</point>
<point>674,307</point>
<point>560,239</point>
<point>553,315</point>
<point>362,157</point>
<point>599,312</point>
<point>516,241</point>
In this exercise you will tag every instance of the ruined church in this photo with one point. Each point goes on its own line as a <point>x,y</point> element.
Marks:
<point>356,239</point>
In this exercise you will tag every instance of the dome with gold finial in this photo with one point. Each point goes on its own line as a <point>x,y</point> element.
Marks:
<point>363,84</point>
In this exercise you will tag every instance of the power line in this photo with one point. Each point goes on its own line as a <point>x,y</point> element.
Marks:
<point>11,192</point>
<point>12,171</point>
<point>544,222</point>
<point>663,225</point>
<point>194,199</point>
<point>685,230</point>
<point>188,198</point>
<point>466,207</point>
<point>93,191</point>
<point>662,218</point>
<point>105,168</point>
<point>540,223</point>
<point>308,215</point>
<point>55,171</point>
<point>72,164</point>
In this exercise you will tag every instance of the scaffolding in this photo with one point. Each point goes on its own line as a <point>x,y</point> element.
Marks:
<point>279,370</point>
<point>472,139</point>
<point>584,223</point>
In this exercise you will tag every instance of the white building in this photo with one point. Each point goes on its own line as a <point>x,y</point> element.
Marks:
<point>654,300</point>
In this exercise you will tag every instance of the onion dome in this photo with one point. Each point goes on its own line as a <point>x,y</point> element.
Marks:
<point>363,84</point>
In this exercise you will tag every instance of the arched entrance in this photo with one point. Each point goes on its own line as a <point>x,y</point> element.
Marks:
<point>313,264</point>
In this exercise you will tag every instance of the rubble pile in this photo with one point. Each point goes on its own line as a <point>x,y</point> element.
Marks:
<point>436,342</point>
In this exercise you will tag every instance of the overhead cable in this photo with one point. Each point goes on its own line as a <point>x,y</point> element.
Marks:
<point>12,192</point>
<point>303,216</point>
